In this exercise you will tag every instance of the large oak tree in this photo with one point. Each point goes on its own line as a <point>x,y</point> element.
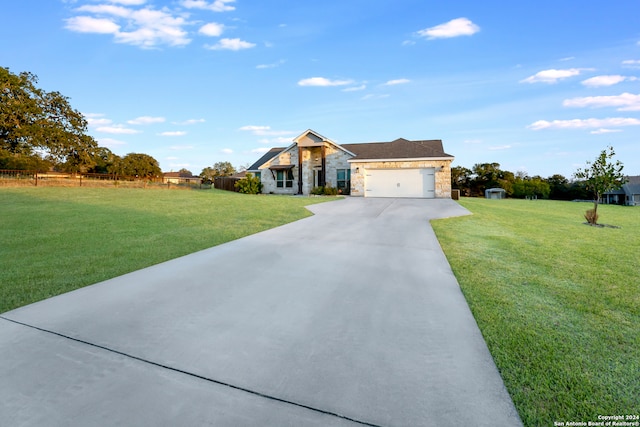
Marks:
<point>34,122</point>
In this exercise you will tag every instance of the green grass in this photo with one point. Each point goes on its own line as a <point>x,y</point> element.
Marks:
<point>557,301</point>
<point>53,240</point>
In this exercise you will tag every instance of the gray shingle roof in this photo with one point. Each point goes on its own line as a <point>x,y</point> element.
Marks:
<point>399,149</point>
<point>633,185</point>
<point>265,158</point>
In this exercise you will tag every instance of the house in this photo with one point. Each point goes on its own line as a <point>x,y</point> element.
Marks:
<point>399,168</point>
<point>180,178</point>
<point>628,194</point>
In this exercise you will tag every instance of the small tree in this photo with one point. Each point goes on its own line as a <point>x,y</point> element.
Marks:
<point>249,185</point>
<point>601,176</point>
<point>209,174</point>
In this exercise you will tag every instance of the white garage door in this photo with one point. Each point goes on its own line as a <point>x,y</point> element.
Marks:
<point>418,183</point>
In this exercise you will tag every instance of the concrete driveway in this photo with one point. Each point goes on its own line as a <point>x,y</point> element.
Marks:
<point>350,317</point>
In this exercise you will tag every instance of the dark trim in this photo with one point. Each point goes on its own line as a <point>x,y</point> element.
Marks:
<point>323,173</point>
<point>299,170</point>
<point>281,167</point>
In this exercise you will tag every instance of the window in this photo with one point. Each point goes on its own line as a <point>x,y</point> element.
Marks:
<point>258,175</point>
<point>344,179</point>
<point>284,178</point>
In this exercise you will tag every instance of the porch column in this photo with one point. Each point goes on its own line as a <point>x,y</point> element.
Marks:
<point>323,171</point>
<point>299,170</point>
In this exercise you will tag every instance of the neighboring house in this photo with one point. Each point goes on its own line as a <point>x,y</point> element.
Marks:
<point>399,168</point>
<point>629,194</point>
<point>179,178</point>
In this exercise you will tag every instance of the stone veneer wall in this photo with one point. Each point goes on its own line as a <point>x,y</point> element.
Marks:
<point>335,159</point>
<point>288,157</point>
<point>442,176</point>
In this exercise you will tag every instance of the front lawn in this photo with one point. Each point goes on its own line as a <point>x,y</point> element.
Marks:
<point>557,301</point>
<point>53,240</point>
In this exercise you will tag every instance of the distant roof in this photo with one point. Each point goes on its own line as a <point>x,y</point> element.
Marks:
<point>398,149</point>
<point>633,185</point>
<point>265,158</point>
<point>178,175</point>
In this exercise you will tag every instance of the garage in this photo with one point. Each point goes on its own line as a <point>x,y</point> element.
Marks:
<point>414,183</point>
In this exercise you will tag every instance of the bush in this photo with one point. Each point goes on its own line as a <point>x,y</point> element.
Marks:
<point>249,185</point>
<point>330,191</point>
<point>591,216</point>
<point>324,191</point>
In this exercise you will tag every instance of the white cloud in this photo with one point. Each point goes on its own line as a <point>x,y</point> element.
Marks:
<point>472,141</point>
<point>500,147</point>
<point>397,82</point>
<point>190,122</point>
<point>173,133</point>
<point>264,131</point>
<point>372,96</point>
<point>211,29</point>
<point>146,120</point>
<point>585,123</point>
<point>117,129</point>
<point>454,28</point>
<point>603,131</point>
<point>227,151</point>
<point>146,27</point>
<point>354,88</point>
<point>107,9</point>
<point>231,44</point>
<point>155,27</point>
<point>273,65</point>
<point>95,119</point>
<point>552,76</point>
<point>625,102</point>
<point>129,2</point>
<point>322,81</point>
<point>633,63</point>
<point>253,128</point>
<point>88,24</point>
<point>214,6</point>
<point>607,80</point>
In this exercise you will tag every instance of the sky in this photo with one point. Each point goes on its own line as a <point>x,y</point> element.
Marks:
<point>538,87</point>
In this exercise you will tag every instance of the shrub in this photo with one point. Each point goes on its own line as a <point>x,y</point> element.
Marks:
<point>317,191</point>
<point>249,185</point>
<point>591,216</point>
<point>330,191</point>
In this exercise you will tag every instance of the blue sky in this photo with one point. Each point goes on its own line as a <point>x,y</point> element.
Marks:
<point>538,87</point>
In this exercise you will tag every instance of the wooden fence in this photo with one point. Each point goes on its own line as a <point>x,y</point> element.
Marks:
<point>22,178</point>
<point>226,183</point>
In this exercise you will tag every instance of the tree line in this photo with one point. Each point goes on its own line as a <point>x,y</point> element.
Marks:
<point>40,131</point>
<point>482,176</point>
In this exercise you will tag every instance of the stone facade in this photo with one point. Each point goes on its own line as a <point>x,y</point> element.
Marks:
<point>442,175</point>
<point>335,159</point>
